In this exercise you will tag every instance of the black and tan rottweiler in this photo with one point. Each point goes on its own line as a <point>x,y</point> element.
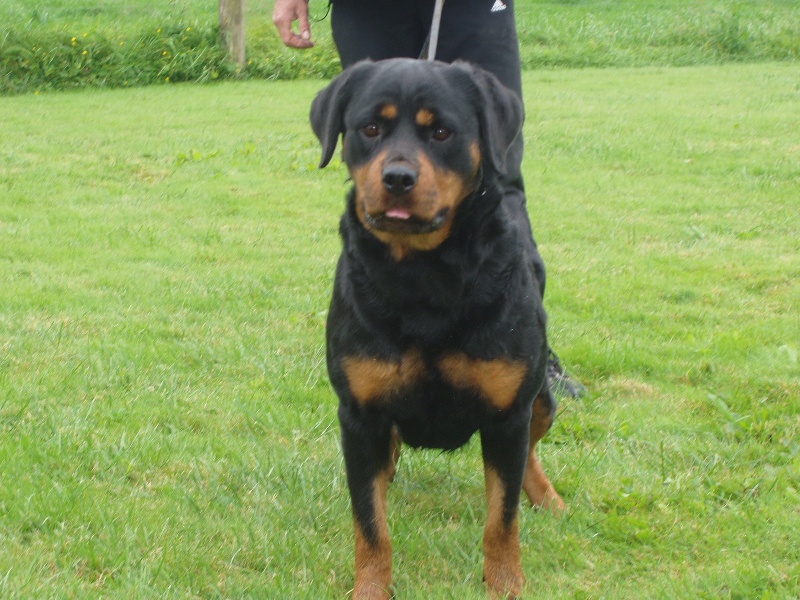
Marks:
<point>436,328</point>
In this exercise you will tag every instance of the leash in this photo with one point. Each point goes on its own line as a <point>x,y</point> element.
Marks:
<point>429,48</point>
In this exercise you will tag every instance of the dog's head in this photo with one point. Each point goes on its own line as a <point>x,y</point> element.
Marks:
<point>417,138</point>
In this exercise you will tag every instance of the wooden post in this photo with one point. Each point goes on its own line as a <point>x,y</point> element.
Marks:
<point>231,28</point>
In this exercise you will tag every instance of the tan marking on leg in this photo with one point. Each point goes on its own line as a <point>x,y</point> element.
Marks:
<point>374,562</point>
<point>537,486</point>
<point>502,566</point>
<point>397,446</point>
<point>498,381</point>
<point>371,379</point>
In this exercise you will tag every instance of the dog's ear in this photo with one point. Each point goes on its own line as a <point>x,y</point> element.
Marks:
<point>500,114</point>
<point>327,109</point>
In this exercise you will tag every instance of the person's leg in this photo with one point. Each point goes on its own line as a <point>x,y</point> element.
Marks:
<point>471,31</point>
<point>376,29</point>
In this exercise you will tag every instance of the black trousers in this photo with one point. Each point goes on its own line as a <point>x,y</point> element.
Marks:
<point>483,32</point>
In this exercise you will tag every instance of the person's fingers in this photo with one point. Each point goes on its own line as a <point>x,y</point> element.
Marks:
<point>305,27</point>
<point>285,14</point>
<point>290,38</point>
<point>296,41</point>
<point>284,30</point>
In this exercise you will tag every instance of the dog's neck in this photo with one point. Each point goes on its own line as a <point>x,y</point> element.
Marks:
<point>443,283</point>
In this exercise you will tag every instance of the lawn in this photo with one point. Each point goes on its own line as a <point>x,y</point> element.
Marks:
<point>166,425</point>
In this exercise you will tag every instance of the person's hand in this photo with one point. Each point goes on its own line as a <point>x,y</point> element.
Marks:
<point>285,14</point>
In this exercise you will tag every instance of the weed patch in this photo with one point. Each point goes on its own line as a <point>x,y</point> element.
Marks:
<point>44,60</point>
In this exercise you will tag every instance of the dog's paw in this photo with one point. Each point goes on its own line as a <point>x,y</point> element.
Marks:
<point>549,500</point>
<point>504,582</point>
<point>372,590</point>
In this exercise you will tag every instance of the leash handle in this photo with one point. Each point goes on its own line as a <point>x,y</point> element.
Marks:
<point>433,38</point>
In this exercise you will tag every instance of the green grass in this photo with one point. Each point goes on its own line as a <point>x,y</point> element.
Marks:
<point>61,44</point>
<point>580,33</point>
<point>166,425</point>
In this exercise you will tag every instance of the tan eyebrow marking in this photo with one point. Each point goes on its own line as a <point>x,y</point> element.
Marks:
<point>389,111</point>
<point>425,117</point>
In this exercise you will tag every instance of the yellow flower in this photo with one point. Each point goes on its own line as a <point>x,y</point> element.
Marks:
<point>74,41</point>
<point>167,80</point>
<point>188,29</point>
<point>85,52</point>
<point>164,53</point>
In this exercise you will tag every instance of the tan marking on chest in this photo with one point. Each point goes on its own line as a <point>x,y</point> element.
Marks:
<point>498,381</point>
<point>371,379</point>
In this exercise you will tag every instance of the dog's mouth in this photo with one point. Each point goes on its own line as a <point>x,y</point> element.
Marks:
<point>401,220</point>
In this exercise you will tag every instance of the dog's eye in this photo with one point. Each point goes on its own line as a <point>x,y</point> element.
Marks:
<point>371,130</point>
<point>440,134</point>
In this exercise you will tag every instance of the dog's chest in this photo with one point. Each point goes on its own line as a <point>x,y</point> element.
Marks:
<point>437,402</point>
<point>496,382</point>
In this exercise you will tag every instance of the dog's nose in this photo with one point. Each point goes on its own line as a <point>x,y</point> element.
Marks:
<point>399,179</point>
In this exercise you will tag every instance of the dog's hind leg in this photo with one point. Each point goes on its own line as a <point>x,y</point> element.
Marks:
<point>537,486</point>
<point>397,446</point>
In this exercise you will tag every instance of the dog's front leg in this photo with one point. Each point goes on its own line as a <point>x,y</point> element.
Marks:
<point>505,451</point>
<point>368,461</point>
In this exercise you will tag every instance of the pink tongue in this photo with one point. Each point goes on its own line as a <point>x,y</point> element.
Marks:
<point>398,213</point>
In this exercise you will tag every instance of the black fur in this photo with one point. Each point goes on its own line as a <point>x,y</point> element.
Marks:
<point>474,293</point>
